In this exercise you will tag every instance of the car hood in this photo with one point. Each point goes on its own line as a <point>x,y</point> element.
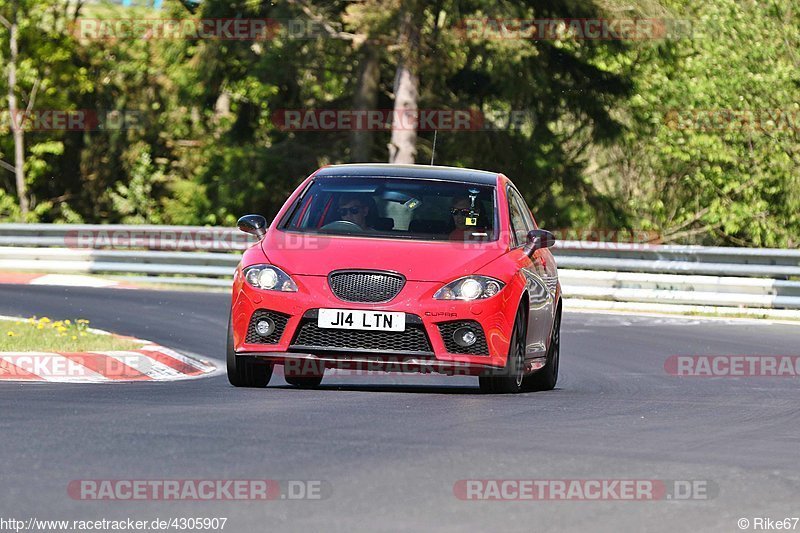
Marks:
<point>316,255</point>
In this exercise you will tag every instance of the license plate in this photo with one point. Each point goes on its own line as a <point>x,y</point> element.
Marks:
<point>363,320</point>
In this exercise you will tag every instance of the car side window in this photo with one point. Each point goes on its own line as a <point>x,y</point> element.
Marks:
<point>526,212</point>
<point>519,227</point>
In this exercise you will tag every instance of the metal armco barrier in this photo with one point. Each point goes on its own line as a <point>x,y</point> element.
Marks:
<point>619,272</point>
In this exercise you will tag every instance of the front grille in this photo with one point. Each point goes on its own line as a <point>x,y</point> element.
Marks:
<point>446,329</point>
<point>280,324</point>
<point>366,286</point>
<point>413,340</point>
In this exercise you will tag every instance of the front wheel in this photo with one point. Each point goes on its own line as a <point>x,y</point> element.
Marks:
<point>512,376</point>
<point>546,378</point>
<point>243,371</point>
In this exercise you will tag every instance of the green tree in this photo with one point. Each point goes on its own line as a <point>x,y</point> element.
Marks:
<point>711,153</point>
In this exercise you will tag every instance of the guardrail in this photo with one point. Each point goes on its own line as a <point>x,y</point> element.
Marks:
<point>149,237</point>
<point>620,272</point>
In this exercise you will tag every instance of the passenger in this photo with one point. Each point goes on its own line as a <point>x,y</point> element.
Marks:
<point>468,223</point>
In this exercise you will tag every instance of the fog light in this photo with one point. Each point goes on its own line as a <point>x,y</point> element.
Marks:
<point>464,337</point>
<point>265,327</point>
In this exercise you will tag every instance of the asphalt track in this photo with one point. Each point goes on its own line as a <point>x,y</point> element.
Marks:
<point>391,448</point>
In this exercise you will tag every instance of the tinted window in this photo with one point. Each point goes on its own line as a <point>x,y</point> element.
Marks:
<point>395,208</point>
<point>519,225</point>
<point>526,212</point>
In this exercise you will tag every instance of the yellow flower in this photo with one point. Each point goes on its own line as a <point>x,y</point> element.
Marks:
<point>44,319</point>
<point>40,326</point>
<point>83,334</point>
<point>11,333</point>
<point>74,338</point>
<point>67,322</point>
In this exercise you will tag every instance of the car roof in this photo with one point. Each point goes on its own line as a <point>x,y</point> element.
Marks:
<point>468,175</point>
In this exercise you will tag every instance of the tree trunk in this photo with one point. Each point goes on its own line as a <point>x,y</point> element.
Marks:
<point>17,121</point>
<point>403,145</point>
<point>366,98</point>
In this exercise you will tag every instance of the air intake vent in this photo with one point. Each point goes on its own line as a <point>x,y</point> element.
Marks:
<point>365,286</point>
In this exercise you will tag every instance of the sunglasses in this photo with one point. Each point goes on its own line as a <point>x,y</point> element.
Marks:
<point>462,212</point>
<point>344,211</point>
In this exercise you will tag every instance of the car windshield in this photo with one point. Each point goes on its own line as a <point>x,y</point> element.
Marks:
<point>398,208</point>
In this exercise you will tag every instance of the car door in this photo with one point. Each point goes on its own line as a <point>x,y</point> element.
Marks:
<point>535,270</point>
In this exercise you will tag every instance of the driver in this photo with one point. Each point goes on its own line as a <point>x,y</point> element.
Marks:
<point>355,209</point>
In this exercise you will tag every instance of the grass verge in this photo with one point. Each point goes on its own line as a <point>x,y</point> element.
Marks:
<point>46,335</point>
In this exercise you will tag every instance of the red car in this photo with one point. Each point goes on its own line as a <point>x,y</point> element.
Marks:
<point>398,268</point>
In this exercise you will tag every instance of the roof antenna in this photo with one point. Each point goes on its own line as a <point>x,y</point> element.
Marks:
<point>433,151</point>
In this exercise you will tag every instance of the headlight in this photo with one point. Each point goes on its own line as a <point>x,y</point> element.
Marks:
<point>470,288</point>
<point>269,278</point>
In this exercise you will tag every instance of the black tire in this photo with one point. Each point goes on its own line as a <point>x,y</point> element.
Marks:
<point>304,382</point>
<point>510,379</point>
<point>304,374</point>
<point>546,378</point>
<point>243,371</point>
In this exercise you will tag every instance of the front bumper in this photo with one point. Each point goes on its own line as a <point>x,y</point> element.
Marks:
<point>424,315</point>
<point>302,363</point>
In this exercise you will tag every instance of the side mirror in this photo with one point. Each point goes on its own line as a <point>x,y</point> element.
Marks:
<point>253,224</point>
<point>538,239</point>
